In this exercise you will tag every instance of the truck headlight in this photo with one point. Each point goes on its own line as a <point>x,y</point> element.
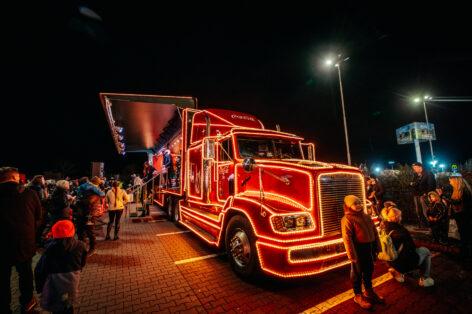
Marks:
<point>293,222</point>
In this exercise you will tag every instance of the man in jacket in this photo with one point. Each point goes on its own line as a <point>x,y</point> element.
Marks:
<point>20,215</point>
<point>423,183</point>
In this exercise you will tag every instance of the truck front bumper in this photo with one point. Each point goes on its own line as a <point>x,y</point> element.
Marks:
<point>292,260</point>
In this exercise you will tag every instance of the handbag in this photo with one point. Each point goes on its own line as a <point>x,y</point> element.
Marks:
<point>453,231</point>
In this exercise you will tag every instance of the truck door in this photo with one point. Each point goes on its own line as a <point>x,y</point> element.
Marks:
<point>225,184</point>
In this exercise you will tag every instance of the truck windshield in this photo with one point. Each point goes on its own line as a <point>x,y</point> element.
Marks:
<point>269,148</point>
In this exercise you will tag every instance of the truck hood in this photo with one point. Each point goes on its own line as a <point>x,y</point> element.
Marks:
<point>287,185</point>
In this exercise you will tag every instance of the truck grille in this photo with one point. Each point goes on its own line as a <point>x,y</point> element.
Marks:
<point>333,188</point>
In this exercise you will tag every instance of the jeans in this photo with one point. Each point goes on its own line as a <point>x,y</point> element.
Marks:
<point>114,217</point>
<point>362,270</point>
<point>425,261</point>
<point>25,277</point>
<point>421,210</point>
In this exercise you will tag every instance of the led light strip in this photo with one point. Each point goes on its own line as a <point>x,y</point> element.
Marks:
<point>296,274</point>
<point>188,211</point>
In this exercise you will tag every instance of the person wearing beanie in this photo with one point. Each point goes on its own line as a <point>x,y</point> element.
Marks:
<point>437,218</point>
<point>57,273</point>
<point>362,243</point>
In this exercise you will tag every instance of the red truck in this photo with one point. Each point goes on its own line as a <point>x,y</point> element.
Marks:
<point>259,194</point>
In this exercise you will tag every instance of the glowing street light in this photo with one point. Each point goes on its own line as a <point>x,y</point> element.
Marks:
<point>329,62</point>
<point>442,166</point>
<point>424,100</point>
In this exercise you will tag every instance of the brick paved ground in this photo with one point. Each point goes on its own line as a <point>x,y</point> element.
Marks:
<point>138,274</point>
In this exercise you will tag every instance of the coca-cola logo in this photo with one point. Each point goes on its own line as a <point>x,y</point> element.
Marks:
<point>236,116</point>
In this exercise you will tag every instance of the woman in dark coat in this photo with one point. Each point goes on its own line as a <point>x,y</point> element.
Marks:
<point>409,256</point>
<point>61,201</point>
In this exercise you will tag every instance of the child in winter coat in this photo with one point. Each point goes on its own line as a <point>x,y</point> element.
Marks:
<point>437,218</point>
<point>57,273</point>
<point>362,243</point>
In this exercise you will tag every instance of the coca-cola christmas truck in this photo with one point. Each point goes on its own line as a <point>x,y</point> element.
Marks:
<point>257,193</point>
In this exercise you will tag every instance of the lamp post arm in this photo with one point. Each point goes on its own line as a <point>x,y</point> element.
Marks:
<point>344,115</point>
<point>431,134</point>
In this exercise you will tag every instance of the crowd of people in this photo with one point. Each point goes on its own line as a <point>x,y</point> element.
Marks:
<point>59,220</point>
<point>435,206</point>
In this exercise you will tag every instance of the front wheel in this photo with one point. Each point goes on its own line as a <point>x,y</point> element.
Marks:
<point>241,247</point>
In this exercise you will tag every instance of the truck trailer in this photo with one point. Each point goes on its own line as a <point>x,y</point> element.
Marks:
<point>258,194</point>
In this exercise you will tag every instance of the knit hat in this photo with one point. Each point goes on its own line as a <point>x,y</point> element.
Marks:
<point>63,229</point>
<point>435,194</point>
<point>349,200</point>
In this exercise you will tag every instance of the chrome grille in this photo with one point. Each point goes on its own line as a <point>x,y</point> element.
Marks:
<point>333,188</point>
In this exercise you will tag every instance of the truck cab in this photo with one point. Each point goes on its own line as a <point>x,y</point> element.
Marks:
<point>258,194</point>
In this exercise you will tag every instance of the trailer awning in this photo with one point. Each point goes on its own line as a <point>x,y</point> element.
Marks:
<point>139,122</point>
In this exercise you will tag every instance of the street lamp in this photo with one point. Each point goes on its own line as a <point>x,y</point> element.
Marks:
<point>425,99</point>
<point>337,63</point>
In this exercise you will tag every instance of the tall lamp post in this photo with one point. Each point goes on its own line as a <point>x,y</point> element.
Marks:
<point>425,99</point>
<point>337,64</point>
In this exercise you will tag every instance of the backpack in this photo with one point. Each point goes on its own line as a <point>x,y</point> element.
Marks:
<point>389,253</point>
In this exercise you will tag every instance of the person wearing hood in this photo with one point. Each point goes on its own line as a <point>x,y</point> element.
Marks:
<point>362,243</point>
<point>89,197</point>
<point>57,273</point>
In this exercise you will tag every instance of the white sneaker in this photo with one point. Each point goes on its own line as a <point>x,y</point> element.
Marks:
<point>398,276</point>
<point>428,282</point>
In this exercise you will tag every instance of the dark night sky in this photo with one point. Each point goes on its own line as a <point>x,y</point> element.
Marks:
<point>262,60</point>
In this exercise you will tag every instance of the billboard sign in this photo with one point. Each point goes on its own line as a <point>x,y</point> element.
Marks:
<point>420,131</point>
<point>97,169</point>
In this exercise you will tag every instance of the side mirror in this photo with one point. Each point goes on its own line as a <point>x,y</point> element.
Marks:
<point>308,150</point>
<point>209,149</point>
<point>249,164</point>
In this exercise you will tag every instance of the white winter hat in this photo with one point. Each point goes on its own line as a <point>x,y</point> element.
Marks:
<point>349,200</point>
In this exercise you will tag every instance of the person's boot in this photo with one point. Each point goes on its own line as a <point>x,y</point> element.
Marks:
<point>363,302</point>
<point>374,297</point>
<point>108,232</point>
<point>117,229</point>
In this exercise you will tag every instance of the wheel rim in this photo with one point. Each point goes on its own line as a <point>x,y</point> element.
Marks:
<point>176,213</point>
<point>240,248</point>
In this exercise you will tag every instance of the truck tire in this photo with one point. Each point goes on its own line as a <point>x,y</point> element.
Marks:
<point>173,209</point>
<point>241,247</point>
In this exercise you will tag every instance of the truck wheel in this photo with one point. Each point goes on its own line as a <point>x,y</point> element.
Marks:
<point>241,247</point>
<point>173,209</point>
